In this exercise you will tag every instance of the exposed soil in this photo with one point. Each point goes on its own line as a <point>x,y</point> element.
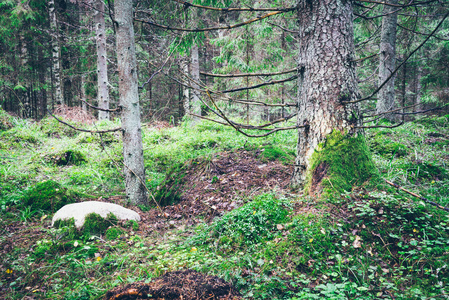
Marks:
<point>214,187</point>
<point>185,285</point>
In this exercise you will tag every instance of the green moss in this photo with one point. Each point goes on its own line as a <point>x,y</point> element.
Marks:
<point>48,196</point>
<point>96,224</point>
<point>52,128</point>
<point>339,163</point>
<point>113,233</point>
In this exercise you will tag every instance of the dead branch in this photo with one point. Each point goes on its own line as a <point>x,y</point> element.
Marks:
<point>228,9</point>
<point>260,85</point>
<point>118,109</point>
<point>210,28</point>
<point>380,126</point>
<point>417,196</point>
<point>248,74</point>
<point>83,130</point>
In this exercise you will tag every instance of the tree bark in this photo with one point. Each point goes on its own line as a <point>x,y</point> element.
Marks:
<point>327,78</point>
<point>387,57</point>
<point>102,64</point>
<point>195,102</point>
<point>129,101</point>
<point>56,55</point>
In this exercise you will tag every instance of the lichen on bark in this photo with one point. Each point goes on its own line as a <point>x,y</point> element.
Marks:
<point>339,163</point>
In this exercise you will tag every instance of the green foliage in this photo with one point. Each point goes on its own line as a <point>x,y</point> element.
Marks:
<point>132,224</point>
<point>48,196</point>
<point>341,162</point>
<point>248,225</point>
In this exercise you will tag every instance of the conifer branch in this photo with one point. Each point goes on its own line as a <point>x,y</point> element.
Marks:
<point>401,64</point>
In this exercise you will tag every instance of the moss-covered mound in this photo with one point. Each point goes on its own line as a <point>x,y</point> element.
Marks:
<point>382,144</point>
<point>94,224</point>
<point>66,158</point>
<point>48,196</point>
<point>5,121</point>
<point>339,163</point>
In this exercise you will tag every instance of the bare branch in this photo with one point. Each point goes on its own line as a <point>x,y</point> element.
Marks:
<point>417,196</point>
<point>118,109</point>
<point>260,85</point>
<point>211,28</point>
<point>228,9</point>
<point>248,74</point>
<point>83,130</point>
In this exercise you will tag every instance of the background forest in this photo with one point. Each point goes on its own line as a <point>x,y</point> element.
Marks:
<point>219,86</point>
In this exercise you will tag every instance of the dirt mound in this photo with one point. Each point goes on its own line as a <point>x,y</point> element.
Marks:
<point>215,186</point>
<point>186,285</point>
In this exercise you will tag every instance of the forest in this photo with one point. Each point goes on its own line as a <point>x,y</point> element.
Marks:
<point>232,149</point>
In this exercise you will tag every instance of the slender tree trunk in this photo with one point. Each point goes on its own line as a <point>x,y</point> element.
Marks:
<point>327,78</point>
<point>185,90</point>
<point>129,101</point>
<point>387,57</point>
<point>195,102</point>
<point>56,55</point>
<point>83,92</point>
<point>102,64</point>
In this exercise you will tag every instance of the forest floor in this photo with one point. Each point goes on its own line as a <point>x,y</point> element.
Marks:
<point>229,224</point>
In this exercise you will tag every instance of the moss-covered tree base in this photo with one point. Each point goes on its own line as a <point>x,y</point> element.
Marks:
<point>340,163</point>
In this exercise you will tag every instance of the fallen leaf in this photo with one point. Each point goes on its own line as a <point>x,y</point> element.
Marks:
<point>356,243</point>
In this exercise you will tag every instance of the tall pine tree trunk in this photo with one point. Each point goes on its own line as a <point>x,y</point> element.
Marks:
<point>327,79</point>
<point>102,64</point>
<point>129,101</point>
<point>387,60</point>
<point>56,54</point>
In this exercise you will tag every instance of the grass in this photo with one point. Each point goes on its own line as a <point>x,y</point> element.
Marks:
<point>364,244</point>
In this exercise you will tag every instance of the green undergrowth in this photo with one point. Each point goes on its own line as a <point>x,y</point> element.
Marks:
<point>371,242</point>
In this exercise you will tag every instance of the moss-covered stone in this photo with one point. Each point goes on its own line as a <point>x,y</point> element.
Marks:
<point>339,163</point>
<point>48,196</point>
<point>96,224</point>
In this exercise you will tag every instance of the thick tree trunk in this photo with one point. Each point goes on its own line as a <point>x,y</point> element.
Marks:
<point>387,57</point>
<point>102,64</point>
<point>56,55</point>
<point>129,101</point>
<point>327,79</point>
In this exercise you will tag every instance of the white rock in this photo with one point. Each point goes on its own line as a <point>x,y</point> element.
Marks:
<point>79,211</point>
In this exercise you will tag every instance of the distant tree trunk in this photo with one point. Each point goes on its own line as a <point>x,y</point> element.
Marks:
<point>185,90</point>
<point>102,64</point>
<point>129,101</point>
<point>327,79</point>
<point>56,55</point>
<point>24,93</point>
<point>418,89</point>
<point>83,92</point>
<point>387,57</point>
<point>195,102</point>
